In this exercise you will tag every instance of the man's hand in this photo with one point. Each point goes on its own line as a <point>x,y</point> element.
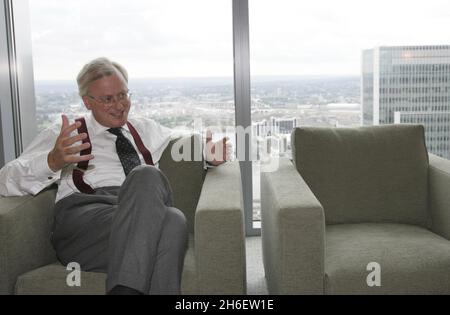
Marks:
<point>64,153</point>
<point>217,152</point>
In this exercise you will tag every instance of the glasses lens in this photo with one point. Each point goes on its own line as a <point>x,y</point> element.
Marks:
<point>107,99</point>
<point>122,96</point>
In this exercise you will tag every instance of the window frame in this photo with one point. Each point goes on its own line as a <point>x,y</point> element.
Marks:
<point>17,97</point>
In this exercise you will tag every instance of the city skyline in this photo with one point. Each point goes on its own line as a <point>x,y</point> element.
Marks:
<point>287,94</point>
<point>283,101</point>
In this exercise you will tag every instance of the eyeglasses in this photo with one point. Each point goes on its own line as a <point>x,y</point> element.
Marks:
<point>108,100</point>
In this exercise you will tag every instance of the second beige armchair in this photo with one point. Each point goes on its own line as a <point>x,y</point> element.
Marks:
<point>358,211</point>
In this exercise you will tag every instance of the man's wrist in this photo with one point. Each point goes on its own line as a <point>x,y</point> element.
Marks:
<point>51,162</point>
<point>215,162</point>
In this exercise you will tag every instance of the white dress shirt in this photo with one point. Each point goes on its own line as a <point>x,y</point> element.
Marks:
<point>30,173</point>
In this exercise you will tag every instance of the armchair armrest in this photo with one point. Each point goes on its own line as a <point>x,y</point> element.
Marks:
<point>219,233</point>
<point>25,227</point>
<point>293,233</point>
<point>439,195</point>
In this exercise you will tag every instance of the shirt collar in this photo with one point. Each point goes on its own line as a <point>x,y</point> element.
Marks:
<point>97,128</point>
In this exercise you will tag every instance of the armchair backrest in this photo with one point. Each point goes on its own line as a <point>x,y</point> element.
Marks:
<point>366,174</point>
<point>185,176</point>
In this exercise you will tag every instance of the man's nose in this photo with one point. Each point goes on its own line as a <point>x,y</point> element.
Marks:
<point>118,104</point>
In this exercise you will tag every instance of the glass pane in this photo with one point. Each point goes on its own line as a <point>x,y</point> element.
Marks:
<point>179,56</point>
<point>309,60</point>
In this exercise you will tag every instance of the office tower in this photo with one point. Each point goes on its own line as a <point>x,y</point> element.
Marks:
<point>274,126</point>
<point>409,84</point>
<point>284,125</point>
<point>437,131</point>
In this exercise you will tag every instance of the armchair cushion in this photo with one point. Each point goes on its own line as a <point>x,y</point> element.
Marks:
<point>51,279</point>
<point>367,174</point>
<point>413,260</point>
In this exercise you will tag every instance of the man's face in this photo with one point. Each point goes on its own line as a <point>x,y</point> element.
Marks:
<point>115,113</point>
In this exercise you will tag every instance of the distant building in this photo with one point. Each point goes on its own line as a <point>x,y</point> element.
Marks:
<point>273,136</point>
<point>437,129</point>
<point>285,125</point>
<point>412,81</point>
<point>274,126</point>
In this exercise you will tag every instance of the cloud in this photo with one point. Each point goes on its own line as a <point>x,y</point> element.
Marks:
<point>194,38</point>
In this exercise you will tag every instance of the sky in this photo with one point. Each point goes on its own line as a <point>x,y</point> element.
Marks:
<point>181,38</point>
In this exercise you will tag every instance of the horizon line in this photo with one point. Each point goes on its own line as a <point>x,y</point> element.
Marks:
<point>223,77</point>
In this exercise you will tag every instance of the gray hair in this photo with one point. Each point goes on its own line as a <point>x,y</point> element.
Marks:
<point>97,69</point>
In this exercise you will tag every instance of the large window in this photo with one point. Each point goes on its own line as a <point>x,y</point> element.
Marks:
<point>179,55</point>
<point>313,63</point>
<point>319,63</point>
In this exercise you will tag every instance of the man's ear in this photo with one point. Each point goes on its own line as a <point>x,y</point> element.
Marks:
<point>87,102</point>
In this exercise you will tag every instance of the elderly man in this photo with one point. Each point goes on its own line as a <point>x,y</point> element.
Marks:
<point>113,210</point>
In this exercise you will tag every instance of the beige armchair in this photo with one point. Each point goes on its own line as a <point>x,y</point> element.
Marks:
<point>352,199</point>
<point>215,260</point>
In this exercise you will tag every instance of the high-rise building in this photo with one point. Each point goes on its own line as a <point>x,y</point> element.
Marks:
<point>437,129</point>
<point>414,82</point>
<point>274,126</point>
<point>274,136</point>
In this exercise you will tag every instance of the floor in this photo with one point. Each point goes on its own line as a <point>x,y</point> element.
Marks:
<point>256,283</point>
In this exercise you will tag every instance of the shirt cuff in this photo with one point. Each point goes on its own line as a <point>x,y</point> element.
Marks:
<point>209,165</point>
<point>43,172</point>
